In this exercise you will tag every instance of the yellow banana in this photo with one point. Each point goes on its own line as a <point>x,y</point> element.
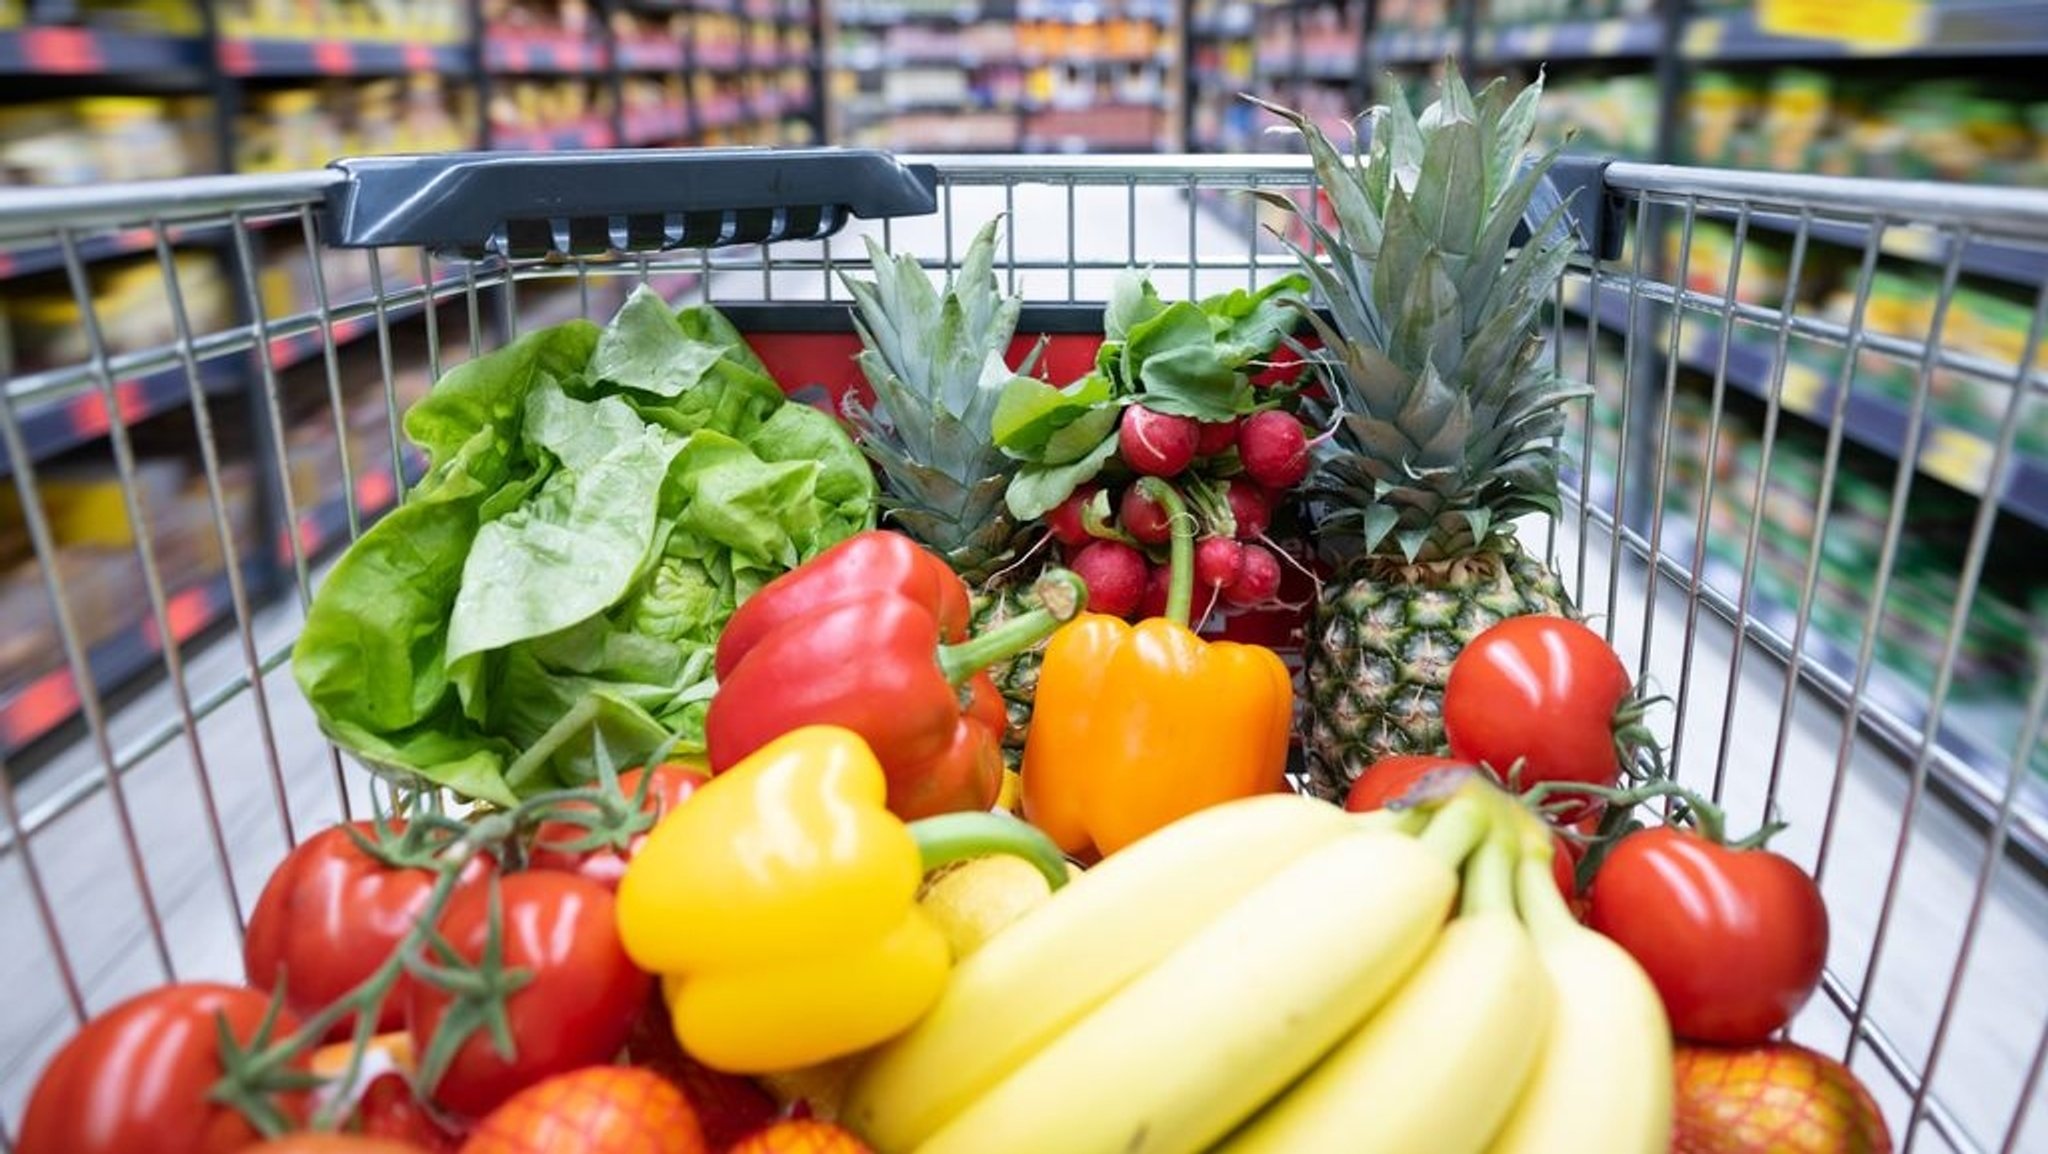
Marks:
<point>1197,1043</point>
<point>1603,1082</point>
<point>1440,1065</point>
<point>1039,976</point>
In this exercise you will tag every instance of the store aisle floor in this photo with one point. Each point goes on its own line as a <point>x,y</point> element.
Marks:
<point>2000,1004</point>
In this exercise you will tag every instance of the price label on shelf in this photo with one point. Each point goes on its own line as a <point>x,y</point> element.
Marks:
<point>1872,25</point>
<point>1609,36</point>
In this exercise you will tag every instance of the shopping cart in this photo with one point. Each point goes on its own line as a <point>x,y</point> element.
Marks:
<point>1737,463</point>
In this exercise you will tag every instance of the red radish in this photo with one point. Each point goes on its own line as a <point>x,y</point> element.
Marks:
<point>1115,575</point>
<point>1216,562</point>
<point>1284,368</point>
<point>1065,518</point>
<point>1258,578</point>
<point>1216,437</point>
<point>1156,586</point>
<point>1274,449</point>
<point>1157,444</point>
<point>1144,518</point>
<point>1251,508</point>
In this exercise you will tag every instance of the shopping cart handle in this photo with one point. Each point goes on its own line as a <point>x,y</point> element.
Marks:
<point>476,204</point>
<point>1597,218</point>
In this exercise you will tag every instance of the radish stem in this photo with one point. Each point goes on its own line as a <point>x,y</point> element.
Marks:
<point>1180,593</point>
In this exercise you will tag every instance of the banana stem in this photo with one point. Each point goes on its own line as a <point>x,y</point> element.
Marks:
<point>1489,883</point>
<point>1543,908</point>
<point>1457,827</point>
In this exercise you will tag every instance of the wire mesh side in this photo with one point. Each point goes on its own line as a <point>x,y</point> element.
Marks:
<point>1848,450</point>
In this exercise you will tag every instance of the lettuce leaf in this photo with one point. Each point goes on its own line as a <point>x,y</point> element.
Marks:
<point>596,504</point>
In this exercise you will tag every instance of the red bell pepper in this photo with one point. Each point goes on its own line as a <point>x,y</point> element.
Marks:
<point>858,567</point>
<point>868,650</point>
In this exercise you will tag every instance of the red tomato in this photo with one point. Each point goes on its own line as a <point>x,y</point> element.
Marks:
<point>673,783</point>
<point>1390,779</point>
<point>1773,1099</point>
<point>595,1110</point>
<point>310,1143</point>
<point>576,1008</point>
<point>330,915</point>
<point>801,1136</point>
<point>728,1106</point>
<point>137,1077</point>
<point>389,1110</point>
<point>1543,691</point>
<point>1735,940</point>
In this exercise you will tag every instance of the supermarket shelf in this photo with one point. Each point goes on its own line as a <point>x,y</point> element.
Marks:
<point>1958,28</point>
<point>537,57</point>
<point>1956,457</point>
<point>263,57</point>
<point>1341,69</point>
<point>298,347</point>
<point>82,419</point>
<point>2021,265</point>
<point>1578,40</point>
<point>876,62</point>
<point>1216,78</point>
<point>56,51</point>
<point>591,132</point>
<point>729,60</point>
<point>34,710</point>
<point>49,257</point>
<point>1407,47</point>
<point>1982,765</point>
<point>877,16</point>
<point>325,525</point>
<point>656,125</point>
<point>650,57</point>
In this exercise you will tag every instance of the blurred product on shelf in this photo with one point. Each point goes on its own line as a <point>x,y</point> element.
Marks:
<point>526,109</point>
<point>538,19</point>
<point>427,21</point>
<point>1602,114</point>
<point>139,17</point>
<point>129,303</point>
<point>1558,11</point>
<point>1802,120</point>
<point>1416,15</point>
<point>99,139</point>
<point>294,129</point>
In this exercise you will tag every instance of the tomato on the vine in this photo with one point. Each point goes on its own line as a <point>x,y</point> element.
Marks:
<point>594,1110</point>
<point>321,1143</point>
<point>387,1109</point>
<point>1543,692</point>
<point>577,1004</point>
<point>728,1106</point>
<point>1390,779</point>
<point>138,1077</point>
<point>668,785</point>
<point>330,915</point>
<point>1734,939</point>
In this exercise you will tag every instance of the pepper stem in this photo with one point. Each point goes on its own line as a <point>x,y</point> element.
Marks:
<point>1180,590</point>
<point>1061,594</point>
<point>952,837</point>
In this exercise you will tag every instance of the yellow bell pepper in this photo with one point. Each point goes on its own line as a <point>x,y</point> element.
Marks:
<point>779,905</point>
<point>1133,727</point>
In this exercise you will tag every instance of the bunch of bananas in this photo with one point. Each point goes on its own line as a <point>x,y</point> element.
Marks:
<point>1274,974</point>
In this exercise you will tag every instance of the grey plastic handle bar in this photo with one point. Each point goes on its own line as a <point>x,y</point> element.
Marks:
<point>519,206</point>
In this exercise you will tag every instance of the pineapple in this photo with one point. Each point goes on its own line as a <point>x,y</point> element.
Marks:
<point>1447,415</point>
<point>935,359</point>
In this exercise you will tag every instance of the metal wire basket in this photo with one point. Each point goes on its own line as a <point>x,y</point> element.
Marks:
<point>1805,507</point>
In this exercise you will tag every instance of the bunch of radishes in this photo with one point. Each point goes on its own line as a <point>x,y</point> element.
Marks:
<point>1230,473</point>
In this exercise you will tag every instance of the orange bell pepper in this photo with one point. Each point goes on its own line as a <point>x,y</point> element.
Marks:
<point>1136,726</point>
